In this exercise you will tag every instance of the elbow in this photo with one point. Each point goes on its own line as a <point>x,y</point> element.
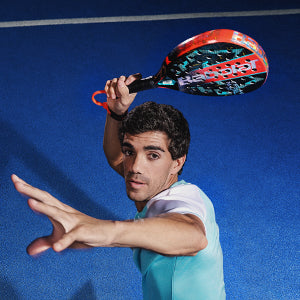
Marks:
<point>200,240</point>
<point>203,243</point>
<point>200,244</point>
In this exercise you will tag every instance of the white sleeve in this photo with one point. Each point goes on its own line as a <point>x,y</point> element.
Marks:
<point>182,199</point>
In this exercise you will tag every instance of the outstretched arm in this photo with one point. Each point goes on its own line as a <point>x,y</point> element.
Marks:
<point>169,234</point>
<point>118,100</point>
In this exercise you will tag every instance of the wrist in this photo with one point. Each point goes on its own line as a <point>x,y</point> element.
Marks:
<point>124,234</point>
<point>117,117</point>
<point>117,234</point>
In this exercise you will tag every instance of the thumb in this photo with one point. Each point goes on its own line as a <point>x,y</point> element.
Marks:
<point>132,78</point>
<point>39,245</point>
<point>65,242</point>
<point>122,87</point>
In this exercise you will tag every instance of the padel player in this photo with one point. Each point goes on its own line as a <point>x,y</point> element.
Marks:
<point>174,235</point>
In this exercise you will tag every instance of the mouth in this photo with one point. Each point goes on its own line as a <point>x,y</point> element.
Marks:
<point>134,181</point>
<point>135,184</point>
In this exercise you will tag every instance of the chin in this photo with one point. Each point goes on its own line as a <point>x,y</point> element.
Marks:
<point>137,197</point>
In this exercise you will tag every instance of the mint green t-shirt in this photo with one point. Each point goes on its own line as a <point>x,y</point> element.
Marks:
<point>183,277</point>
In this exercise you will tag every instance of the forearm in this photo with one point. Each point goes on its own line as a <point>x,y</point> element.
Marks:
<point>119,101</point>
<point>169,234</point>
<point>111,144</point>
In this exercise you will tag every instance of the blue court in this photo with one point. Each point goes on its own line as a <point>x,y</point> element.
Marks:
<point>244,150</point>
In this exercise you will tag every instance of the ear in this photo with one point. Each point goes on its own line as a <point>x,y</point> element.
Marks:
<point>178,164</point>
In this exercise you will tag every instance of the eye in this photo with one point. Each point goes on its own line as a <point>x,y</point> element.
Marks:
<point>127,152</point>
<point>153,156</point>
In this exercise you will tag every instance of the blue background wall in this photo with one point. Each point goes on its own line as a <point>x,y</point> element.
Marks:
<point>244,152</point>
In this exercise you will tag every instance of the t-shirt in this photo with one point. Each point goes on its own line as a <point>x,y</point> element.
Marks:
<point>183,277</point>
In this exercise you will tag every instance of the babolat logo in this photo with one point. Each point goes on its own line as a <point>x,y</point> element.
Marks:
<point>221,71</point>
<point>231,69</point>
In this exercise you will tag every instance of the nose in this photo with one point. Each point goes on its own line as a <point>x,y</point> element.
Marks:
<point>137,164</point>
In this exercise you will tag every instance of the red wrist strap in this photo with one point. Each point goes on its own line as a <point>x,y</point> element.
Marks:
<point>103,104</point>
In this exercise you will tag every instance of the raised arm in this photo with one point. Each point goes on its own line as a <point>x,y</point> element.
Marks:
<point>119,100</point>
<point>169,234</point>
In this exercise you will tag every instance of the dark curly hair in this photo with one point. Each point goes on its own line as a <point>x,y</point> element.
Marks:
<point>152,116</point>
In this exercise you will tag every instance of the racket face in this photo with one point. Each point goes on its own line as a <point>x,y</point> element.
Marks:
<point>216,63</point>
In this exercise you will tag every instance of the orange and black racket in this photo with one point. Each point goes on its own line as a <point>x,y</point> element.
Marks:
<point>219,62</point>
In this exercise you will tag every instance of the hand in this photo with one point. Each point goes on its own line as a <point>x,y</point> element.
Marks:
<point>181,234</point>
<point>118,97</point>
<point>71,228</point>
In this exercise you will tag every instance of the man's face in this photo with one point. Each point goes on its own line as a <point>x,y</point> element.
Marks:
<point>148,165</point>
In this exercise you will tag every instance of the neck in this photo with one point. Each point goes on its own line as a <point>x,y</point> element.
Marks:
<point>141,204</point>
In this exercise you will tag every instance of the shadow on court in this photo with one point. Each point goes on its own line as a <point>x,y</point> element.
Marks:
<point>7,291</point>
<point>86,292</point>
<point>13,144</point>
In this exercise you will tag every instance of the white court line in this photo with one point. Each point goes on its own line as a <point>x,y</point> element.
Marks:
<point>47,22</point>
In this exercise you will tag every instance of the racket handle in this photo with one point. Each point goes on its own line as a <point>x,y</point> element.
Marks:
<point>142,85</point>
<point>136,86</point>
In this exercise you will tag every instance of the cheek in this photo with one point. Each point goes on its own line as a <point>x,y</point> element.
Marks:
<point>127,163</point>
<point>160,172</point>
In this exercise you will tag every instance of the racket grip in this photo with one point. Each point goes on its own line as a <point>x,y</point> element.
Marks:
<point>142,85</point>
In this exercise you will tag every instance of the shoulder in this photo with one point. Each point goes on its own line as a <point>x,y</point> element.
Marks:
<point>180,191</point>
<point>184,188</point>
<point>184,198</point>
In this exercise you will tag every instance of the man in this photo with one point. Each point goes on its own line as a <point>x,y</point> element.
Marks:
<point>174,236</point>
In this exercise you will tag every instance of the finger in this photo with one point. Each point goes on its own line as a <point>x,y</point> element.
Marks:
<point>112,89</point>
<point>132,78</point>
<point>28,190</point>
<point>122,78</point>
<point>15,178</point>
<point>19,184</point>
<point>107,86</point>
<point>122,89</point>
<point>42,244</point>
<point>35,193</point>
<point>53,212</point>
<point>65,242</point>
<point>39,245</point>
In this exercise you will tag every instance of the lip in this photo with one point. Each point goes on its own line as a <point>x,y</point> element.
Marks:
<point>135,184</point>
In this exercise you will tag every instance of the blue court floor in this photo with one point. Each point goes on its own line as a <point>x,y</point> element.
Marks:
<point>244,150</point>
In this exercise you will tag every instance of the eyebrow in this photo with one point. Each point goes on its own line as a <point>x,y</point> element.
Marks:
<point>154,148</point>
<point>150,147</point>
<point>125,144</point>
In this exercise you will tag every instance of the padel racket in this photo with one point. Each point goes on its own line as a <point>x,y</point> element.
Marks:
<point>219,62</point>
